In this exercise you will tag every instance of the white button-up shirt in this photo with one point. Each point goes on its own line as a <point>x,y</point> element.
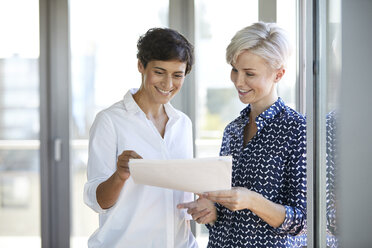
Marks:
<point>143,216</point>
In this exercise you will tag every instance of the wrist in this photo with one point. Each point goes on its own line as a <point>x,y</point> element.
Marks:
<point>119,179</point>
<point>253,199</point>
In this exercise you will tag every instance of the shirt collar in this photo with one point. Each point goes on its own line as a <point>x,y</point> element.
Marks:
<point>273,110</point>
<point>129,103</point>
<point>132,107</point>
<point>269,113</point>
<point>171,111</point>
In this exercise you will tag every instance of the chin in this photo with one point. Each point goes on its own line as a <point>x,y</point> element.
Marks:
<point>164,100</point>
<point>245,101</point>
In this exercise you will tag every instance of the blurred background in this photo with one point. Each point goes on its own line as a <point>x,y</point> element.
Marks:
<point>63,61</point>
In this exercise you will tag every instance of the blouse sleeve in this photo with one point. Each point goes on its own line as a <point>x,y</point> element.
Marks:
<point>101,159</point>
<point>295,207</point>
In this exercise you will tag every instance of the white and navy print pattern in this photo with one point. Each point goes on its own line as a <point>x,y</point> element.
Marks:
<point>273,164</point>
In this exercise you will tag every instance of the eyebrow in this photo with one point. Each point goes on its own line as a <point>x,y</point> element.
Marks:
<point>159,68</point>
<point>245,69</point>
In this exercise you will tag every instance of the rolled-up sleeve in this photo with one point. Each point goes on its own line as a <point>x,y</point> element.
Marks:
<point>90,198</point>
<point>101,160</point>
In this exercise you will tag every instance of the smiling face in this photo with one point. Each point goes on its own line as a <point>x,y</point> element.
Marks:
<point>254,79</point>
<point>161,80</point>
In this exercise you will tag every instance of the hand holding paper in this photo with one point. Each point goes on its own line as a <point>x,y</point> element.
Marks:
<point>191,175</point>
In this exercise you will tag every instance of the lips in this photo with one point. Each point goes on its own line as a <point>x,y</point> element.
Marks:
<point>164,92</point>
<point>243,92</point>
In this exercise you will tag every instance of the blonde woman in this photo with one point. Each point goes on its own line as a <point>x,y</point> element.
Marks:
<point>266,206</point>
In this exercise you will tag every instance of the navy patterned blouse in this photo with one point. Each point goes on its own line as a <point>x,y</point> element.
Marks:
<point>273,163</point>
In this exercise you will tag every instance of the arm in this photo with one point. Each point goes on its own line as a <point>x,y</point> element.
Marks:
<point>106,172</point>
<point>108,191</point>
<point>241,198</point>
<point>295,192</point>
<point>291,215</point>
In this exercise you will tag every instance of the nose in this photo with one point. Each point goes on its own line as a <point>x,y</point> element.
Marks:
<point>238,79</point>
<point>167,83</point>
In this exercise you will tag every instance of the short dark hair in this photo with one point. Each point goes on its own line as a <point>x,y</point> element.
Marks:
<point>165,44</point>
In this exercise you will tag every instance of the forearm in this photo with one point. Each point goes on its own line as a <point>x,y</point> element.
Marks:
<point>270,212</point>
<point>108,192</point>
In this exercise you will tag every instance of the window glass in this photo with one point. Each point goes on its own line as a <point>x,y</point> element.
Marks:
<point>216,23</point>
<point>286,18</point>
<point>19,124</point>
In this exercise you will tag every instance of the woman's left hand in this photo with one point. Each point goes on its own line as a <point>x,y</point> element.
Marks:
<point>202,210</point>
<point>237,198</point>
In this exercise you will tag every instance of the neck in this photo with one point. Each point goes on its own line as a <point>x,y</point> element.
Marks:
<point>259,107</point>
<point>151,109</point>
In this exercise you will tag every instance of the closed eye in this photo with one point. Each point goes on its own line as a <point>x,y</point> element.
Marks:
<point>178,75</point>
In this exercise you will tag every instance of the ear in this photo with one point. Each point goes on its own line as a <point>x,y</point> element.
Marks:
<point>279,74</point>
<point>140,66</point>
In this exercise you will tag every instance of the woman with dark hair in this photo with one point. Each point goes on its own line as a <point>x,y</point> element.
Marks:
<point>142,125</point>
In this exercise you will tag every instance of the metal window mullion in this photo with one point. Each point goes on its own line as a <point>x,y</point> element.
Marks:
<point>54,123</point>
<point>45,150</point>
<point>316,125</point>
<point>320,84</point>
<point>307,13</point>
<point>301,57</point>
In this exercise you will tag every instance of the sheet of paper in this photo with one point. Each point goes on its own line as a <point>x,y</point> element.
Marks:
<point>191,175</point>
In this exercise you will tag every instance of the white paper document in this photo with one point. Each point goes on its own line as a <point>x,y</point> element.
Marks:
<point>191,175</point>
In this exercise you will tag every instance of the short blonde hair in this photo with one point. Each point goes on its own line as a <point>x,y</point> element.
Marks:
<point>266,40</point>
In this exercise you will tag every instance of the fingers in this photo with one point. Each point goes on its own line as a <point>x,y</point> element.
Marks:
<point>200,195</point>
<point>124,158</point>
<point>220,193</point>
<point>186,205</point>
<point>196,215</point>
<point>128,154</point>
<point>122,163</point>
<point>221,200</point>
<point>202,210</point>
<point>208,218</point>
<point>223,196</point>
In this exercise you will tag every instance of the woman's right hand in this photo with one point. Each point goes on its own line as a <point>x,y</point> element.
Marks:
<point>122,164</point>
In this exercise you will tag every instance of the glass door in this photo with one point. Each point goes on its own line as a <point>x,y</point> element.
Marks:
<point>19,124</point>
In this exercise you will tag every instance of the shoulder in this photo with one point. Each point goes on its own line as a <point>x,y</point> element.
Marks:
<point>181,118</point>
<point>184,123</point>
<point>108,114</point>
<point>292,119</point>
<point>232,132</point>
<point>234,125</point>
